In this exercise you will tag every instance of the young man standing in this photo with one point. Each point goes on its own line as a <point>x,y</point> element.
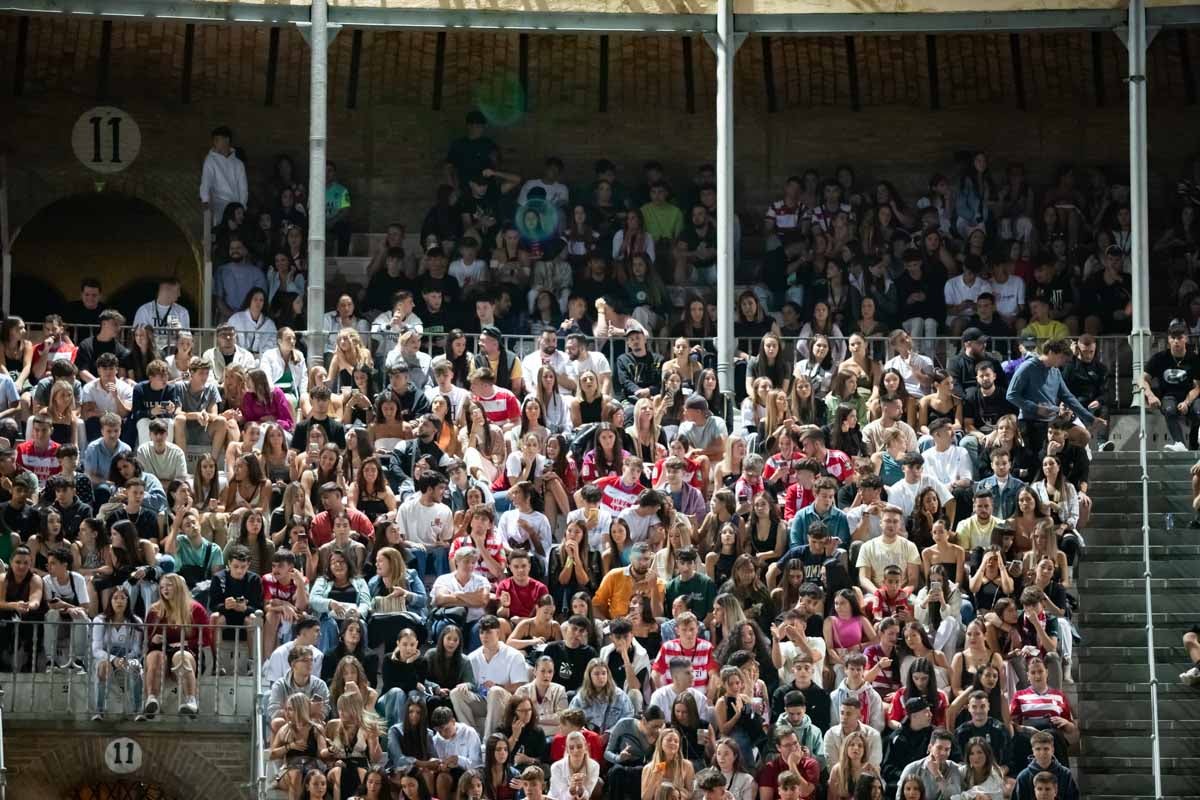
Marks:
<point>223,178</point>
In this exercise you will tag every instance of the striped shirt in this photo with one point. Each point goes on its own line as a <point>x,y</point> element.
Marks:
<point>701,656</point>
<point>1030,704</point>
<point>501,407</point>
<point>42,463</point>
<point>615,495</point>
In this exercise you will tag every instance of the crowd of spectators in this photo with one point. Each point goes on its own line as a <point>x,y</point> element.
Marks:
<point>506,540</point>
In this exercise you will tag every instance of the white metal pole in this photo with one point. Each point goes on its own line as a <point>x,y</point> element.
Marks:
<point>726,48</point>
<point>317,102</point>
<point>1135,45</point>
<point>206,287</point>
<point>5,244</point>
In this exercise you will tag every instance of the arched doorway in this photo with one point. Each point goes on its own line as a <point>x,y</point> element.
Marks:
<point>125,242</point>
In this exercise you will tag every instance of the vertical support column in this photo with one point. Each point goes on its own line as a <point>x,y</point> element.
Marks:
<point>318,97</point>
<point>5,251</point>
<point>1137,39</point>
<point>725,43</point>
<point>206,241</point>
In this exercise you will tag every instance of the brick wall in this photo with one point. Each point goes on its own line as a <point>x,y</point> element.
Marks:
<point>48,763</point>
<point>794,106</point>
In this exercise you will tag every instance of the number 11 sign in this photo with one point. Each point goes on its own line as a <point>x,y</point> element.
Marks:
<point>106,139</point>
<point>123,756</point>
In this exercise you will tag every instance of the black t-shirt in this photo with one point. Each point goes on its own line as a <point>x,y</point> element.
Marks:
<point>693,238</point>
<point>569,663</point>
<point>334,432</point>
<point>985,412</point>
<point>224,585</point>
<point>91,348</point>
<point>1171,376</point>
<point>76,313</point>
<point>616,666</point>
<point>383,286</point>
<point>471,156</point>
<point>145,520</point>
<point>23,521</point>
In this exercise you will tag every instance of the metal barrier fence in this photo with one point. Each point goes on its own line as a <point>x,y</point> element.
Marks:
<point>52,668</point>
<point>1112,351</point>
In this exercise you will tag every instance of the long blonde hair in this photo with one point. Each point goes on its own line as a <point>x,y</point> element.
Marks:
<point>176,610</point>
<point>351,704</point>
<point>672,772</point>
<point>847,769</point>
<point>361,354</point>
<point>588,691</point>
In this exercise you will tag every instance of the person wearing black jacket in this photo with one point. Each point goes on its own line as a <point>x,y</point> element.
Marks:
<point>235,594</point>
<point>974,352</point>
<point>407,453</point>
<point>908,743</point>
<point>412,404</point>
<point>1087,379</point>
<point>69,507</point>
<point>983,725</point>
<point>638,371</point>
<point>1043,760</point>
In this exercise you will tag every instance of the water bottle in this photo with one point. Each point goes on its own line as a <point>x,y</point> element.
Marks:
<point>1169,521</point>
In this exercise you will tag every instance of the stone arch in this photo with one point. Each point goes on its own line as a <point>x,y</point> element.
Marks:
<point>123,231</point>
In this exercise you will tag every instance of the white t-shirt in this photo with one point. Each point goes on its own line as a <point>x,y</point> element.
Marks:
<point>509,529</point>
<point>508,665</point>
<point>905,368</point>
<point>597,535</point>
<point>427,525</point>
<point>74,590</point>
<point>789,652</point>
<point>639,526</point>
<point>596,362</point>
<point>1010,295</point>
<point>448,584</point>
<point>466,274</point>
<point>557,194</point>
<point>957,291</point>
<point>878,555</point>
<point>456,397</point>
<point>949,465</point>
<point>531,363</point>
<point>93,392</point>
<point>903,494</point>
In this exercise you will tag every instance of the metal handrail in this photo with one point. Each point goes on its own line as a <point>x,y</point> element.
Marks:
<point>36,694</point>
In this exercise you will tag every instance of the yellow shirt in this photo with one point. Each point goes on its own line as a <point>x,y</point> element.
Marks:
<point>972,534</point>
<point>616,590</point>
<point>1046,331</point>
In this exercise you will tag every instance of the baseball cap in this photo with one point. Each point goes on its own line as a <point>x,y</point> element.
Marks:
<point>974,335</point>
<point>492,331</point>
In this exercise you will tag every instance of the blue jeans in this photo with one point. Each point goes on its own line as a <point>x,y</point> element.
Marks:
<point>438,556</point>
<point>133,682</point>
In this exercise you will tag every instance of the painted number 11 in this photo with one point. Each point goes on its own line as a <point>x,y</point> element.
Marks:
<point>128,745</point>
<point>115,124</point>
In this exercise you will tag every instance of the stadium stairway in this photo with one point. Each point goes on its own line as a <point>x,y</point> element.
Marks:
<point>1113,686</point>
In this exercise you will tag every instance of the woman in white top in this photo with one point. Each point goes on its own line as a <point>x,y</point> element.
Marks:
<point>574,776</point>
<point>117,649</point>
<point>178,363</point>
<point>556,416</point>
<point>980,775</point>
<point>739,783</point>
<point>255,330</point>
<point>284,365</point>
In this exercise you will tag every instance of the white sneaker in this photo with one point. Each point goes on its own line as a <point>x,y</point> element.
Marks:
<point>1191,677</point>
<point>190,706</point>
<point>1067,679</point>
<point>1108,446</point>
<point>1175,447</point>
<point>151,707</point>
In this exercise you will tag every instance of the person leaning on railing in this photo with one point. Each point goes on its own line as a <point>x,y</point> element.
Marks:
<point>21,601</point>
<point>117,641</point>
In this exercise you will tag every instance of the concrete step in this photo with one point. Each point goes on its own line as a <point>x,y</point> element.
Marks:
<point>1153,457</point>
<point>1129,635</point>
<point>1127,594</point>
<point>1099,764</point>
<point>1127,484</point>
<point>1163,620</point>
<point>1141,728</point>
<point>1158,503</point>
<point>1128,672</point>
<point>1121,701</point>
<point>1126,520</point>
<point>1099,553</point>
<point>1137,784</point>
<point>1127,535</point>
<point>1163,567</point>
<point>1131,654</point>
<point>1118,746</point>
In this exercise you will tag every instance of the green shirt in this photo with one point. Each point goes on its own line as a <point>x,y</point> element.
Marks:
<point>337,198</point>
<point>663,222</point>
<point>700,585</point>
<point>188,556</point>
